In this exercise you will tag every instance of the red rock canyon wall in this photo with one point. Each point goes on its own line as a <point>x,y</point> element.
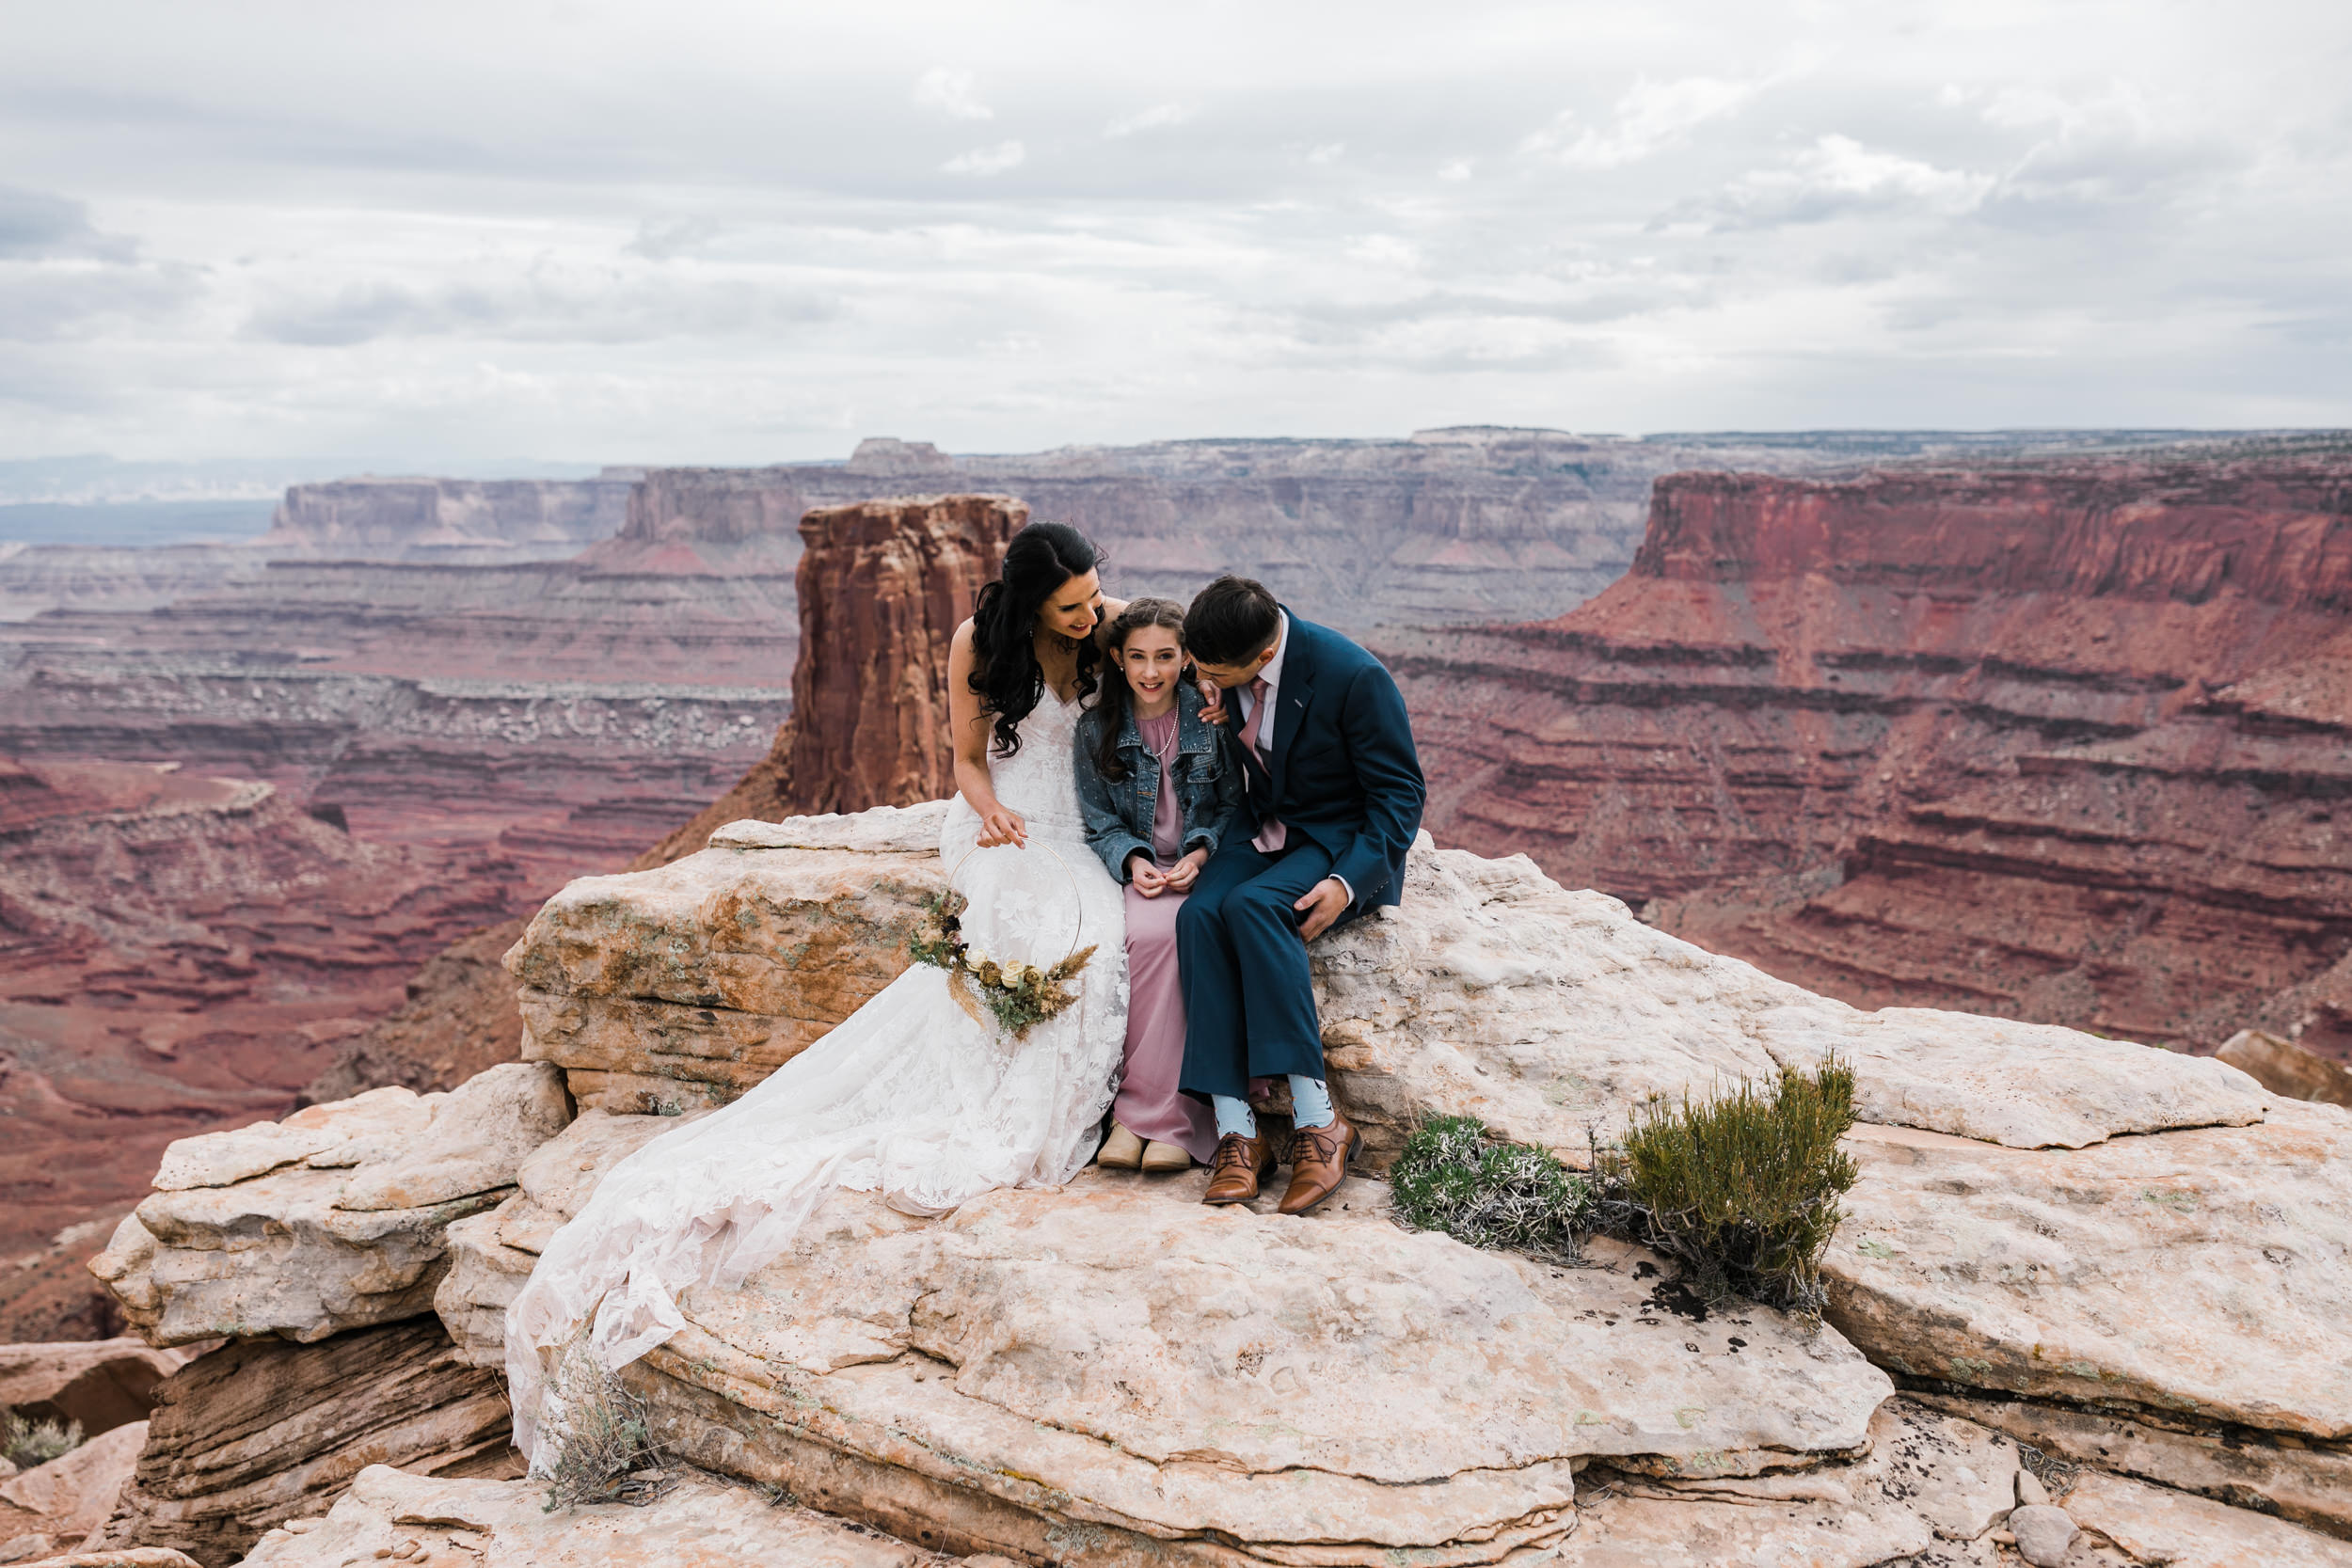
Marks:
<point>2069,741</point>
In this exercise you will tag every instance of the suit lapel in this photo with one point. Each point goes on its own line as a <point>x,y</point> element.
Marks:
<point>1290,703</point>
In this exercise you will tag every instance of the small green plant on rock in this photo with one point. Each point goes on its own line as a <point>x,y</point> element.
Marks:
<point>1456,1177</point>
<point>1741,1190</point>
<point>25,1444</point>
<point>605,1448</point>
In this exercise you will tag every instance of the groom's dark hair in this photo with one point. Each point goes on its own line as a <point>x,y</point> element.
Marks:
<point>1231,621</point>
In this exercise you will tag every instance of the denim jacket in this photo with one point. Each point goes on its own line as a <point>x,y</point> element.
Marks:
<point>1118,816</point>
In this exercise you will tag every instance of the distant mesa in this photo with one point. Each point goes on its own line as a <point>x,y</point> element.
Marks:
<point>449,518</point>
<point>888,457</point>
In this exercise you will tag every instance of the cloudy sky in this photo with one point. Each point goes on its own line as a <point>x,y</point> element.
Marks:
<point>708,233</point>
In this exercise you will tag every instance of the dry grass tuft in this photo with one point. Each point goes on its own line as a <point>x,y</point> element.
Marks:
<point>25,1444</point>
<point>606,1451</point>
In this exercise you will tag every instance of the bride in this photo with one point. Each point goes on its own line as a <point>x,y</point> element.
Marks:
<point>911,1095</point>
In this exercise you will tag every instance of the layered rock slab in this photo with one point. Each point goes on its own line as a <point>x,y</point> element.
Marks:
<point>1926,1479</point>
<point>1116,1373</point>
<point>2159,1526</point>
<point>257,1432</point>
<point>2181,1300</point>
<point>684,985</point>
<point>702,1523</point>
<point>329,1220</point>
<point>1550,1013</point>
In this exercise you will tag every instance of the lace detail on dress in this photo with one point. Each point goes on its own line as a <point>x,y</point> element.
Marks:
<point>909,1095</point>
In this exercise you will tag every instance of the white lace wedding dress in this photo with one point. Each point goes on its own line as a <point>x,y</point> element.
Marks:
<point>909,1095</point>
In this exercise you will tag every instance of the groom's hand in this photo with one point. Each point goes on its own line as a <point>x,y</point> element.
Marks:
<point>1325,903</point>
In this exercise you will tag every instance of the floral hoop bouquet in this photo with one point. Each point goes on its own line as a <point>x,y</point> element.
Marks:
<point>1015,995</point>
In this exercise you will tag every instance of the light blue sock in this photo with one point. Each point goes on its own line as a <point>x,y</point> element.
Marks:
<point>1311,1102</point>
<point>1234,1115</point>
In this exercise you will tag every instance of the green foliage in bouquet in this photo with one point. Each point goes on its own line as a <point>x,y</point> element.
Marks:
<point>1456,1177</point>
<point>939,940</point>
<point>1742,1190</point>
<point>1015,994</point>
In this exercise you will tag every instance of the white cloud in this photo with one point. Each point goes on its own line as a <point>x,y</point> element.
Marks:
<point>1385,250</point>
<point>1154,118</point>
<point>244,234</point>
<point>1839,177</point>
<point>1651,117</point>
<point>953,93</point>
<point>986,161</point>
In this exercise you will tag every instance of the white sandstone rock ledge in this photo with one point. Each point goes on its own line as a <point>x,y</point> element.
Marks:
<point>1223,1384</point>
<point>1546,1012</point>
<point>392,1516</point>
<point>677,988</point>
<point>330,1219</point>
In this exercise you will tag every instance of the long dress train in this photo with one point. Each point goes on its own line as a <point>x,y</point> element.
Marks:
<point>909,1095</point>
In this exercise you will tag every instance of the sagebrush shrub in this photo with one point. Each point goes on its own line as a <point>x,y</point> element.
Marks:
<point>1742,1188</point>
<point>1456,1177</point>
<point>25,1444</point>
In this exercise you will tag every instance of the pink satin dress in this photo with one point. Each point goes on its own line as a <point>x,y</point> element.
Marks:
<point>1148,1104</point>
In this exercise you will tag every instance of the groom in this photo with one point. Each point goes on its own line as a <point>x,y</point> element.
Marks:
<point>1333,800</point>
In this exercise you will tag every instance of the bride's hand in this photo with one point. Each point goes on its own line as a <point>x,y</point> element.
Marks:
<point>1000,826</point>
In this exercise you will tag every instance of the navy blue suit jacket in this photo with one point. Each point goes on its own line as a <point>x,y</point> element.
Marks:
<point>1342,771</point>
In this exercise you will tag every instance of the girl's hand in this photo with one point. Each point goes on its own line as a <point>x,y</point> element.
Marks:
<point>1212,702</point>
<point>1186,871</point>
<point>1149,879</point>
<point>999,825</point>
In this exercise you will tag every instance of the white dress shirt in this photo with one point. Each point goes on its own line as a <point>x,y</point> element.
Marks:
<point>1272,675</point>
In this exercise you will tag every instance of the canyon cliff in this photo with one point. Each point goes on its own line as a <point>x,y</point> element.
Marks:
<point>1456,525</point>
<point>2068,741</point>
<point>177,953</point>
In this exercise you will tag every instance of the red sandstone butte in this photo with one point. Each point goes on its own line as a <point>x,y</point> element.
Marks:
<point>882,586</point>
<point>2062,740</point>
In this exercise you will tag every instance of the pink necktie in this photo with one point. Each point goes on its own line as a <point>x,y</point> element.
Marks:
<point>1271,833</point>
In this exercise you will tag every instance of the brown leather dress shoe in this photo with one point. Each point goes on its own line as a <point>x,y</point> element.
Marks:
<point>1234,1174</point>
<point>1319,1157</point>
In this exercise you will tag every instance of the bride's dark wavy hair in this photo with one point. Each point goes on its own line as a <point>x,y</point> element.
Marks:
<point>1005,676</point>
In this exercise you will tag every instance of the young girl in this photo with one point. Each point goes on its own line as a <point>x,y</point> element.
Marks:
<point>1158,791</point>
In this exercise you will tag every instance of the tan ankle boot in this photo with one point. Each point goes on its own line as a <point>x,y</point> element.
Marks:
<point>1160,1159</point>
<point>1121,1151</point>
